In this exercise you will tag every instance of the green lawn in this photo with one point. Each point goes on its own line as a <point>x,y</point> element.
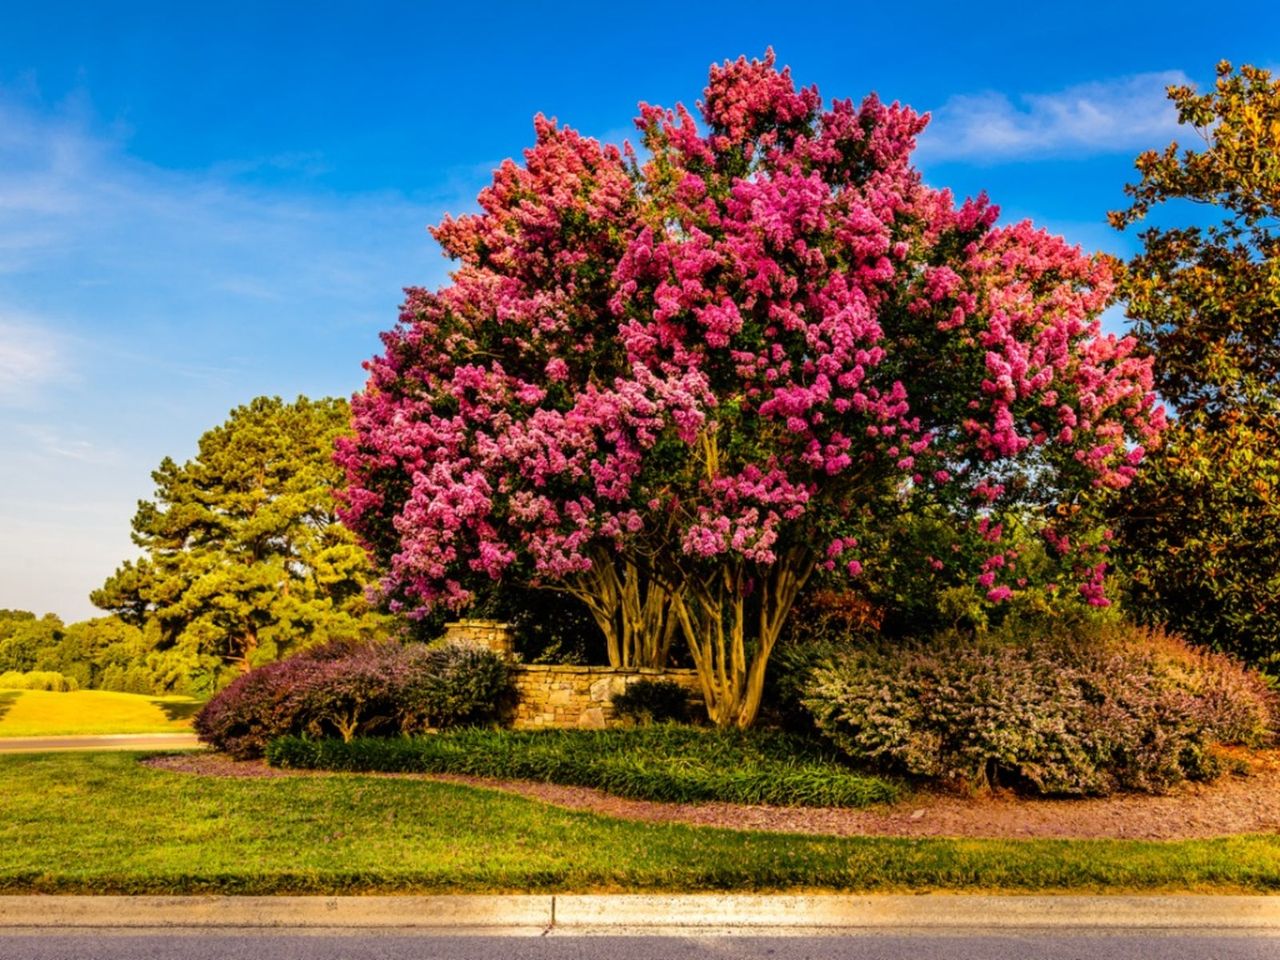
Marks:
<point>39,713</point>
<point>101,823</point>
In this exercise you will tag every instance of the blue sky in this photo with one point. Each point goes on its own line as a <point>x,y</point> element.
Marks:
<point>200,204</point>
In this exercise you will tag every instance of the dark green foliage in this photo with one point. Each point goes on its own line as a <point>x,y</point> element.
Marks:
<point>919,577</point>
<point>665,762</point>
<point>1199,532</point>
<point>450,685</point>
<point>1094,708</point>
<point>550,626</point>
<point>245,560</point>
<point>1199,535</point>
<point>652,701</point>
<point>348,688</point>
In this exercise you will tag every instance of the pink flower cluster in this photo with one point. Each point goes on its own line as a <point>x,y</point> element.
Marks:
<point>729,351</point>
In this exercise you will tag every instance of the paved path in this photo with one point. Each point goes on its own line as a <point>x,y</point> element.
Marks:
<point>129,741</point>
<point>408,945</point>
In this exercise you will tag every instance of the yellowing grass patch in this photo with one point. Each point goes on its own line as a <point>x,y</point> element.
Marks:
<point>38,713</point>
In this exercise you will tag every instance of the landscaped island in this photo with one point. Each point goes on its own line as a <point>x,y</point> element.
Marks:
<point>778,488</point>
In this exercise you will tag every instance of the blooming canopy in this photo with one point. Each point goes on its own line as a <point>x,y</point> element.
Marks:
<point>709,370</point>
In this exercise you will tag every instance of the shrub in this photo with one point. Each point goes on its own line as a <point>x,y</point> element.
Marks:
<point>37,680</point>
<point>652,701</point>
<point>1098,708</point>
<point>667,762</point>
<point>450,685</point>
<point>348,688</point>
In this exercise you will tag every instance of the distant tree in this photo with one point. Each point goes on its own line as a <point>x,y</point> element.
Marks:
<point>23,636</point>
<point>88,651</point>
<point>1200,530</point>
<point>245,560</point>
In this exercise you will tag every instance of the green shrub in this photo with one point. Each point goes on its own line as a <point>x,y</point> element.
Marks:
<point>1097,708</point>
<point>652,701</point>
<point>665,762</point>
<point>451,685</point>
<point>37,680</point>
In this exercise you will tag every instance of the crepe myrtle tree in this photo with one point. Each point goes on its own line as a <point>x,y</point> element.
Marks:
<point>679,387</point>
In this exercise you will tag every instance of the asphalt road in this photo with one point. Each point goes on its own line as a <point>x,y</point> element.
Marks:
<point>392,945</point>
<point>124,741</point>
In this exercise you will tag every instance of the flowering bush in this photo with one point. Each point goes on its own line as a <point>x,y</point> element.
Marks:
<point>348,688</point>
<point>678,388</point>
<point>1101,708</point>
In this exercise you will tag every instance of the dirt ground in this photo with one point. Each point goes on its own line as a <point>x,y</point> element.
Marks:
<point>1236,803</point>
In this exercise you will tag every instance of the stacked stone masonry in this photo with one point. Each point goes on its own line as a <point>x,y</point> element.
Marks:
<point>497,636</point>
<point>566,696</point>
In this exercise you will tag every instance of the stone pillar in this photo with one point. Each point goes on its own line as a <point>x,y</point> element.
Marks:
<point>493,634</point>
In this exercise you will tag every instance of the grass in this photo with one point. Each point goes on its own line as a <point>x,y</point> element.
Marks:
<point>39,713</point>
<point>102,823</point>
<point>678,764</point>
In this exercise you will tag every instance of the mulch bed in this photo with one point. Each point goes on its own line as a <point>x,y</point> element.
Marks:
<point>1232,805</point>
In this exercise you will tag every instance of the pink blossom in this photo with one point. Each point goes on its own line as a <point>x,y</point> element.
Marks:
<point>730,352</point>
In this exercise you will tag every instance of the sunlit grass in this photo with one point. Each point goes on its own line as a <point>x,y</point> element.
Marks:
<point>667,762</point>
<point>102,823</point>
<point>39,713</point>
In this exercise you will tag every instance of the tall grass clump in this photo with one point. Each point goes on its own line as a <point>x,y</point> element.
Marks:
<point>663,762</point>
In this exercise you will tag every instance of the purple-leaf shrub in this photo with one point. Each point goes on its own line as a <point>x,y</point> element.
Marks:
<point>355,688</point>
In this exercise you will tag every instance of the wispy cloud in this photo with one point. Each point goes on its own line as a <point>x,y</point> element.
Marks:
<point>139,304</point>
<point>47,442</point>
<point>190,247</point>
<point>30,358</point>
<point>1124,114</point>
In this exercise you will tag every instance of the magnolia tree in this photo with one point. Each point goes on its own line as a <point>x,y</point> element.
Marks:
<point>681,384</point>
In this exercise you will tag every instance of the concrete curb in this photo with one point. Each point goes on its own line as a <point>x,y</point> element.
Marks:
<point>512,913</point>
<point>650,914</point>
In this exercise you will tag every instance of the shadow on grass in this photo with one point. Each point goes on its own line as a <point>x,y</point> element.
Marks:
<point>180,711</point>
<point>7,698</point>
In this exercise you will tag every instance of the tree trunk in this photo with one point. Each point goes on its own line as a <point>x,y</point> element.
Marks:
<point>248,644</point>
<point>731,659</point>
<point>632,610</point>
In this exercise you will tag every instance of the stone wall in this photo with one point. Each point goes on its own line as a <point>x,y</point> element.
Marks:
<point>555,695</point>
<point>497,636</point>
<point>552,695</point>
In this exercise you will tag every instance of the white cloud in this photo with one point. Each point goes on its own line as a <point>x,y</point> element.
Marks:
<point>1125,114</point>
<point>47,442</point>
<point>139,304</point>
<point>30,358</point>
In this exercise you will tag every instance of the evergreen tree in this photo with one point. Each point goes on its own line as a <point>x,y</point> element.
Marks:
<point>245,560</point>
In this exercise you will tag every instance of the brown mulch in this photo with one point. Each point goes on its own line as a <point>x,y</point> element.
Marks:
<point>1234,804</point>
